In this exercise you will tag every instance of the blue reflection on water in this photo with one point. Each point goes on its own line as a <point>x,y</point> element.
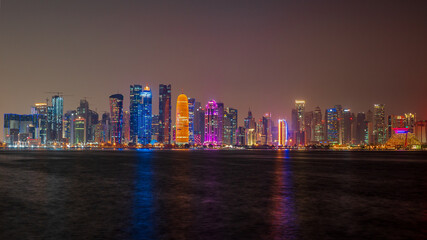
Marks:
<point>142,210</point>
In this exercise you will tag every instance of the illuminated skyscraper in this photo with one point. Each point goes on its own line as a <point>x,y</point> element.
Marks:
<point>199,124</point>
<point>346,123</point>
<point>182,120</point>
<point>191,109</point>
<point>267,137</point>
<point>317,126</point>
<point>126,126</point>
<point>332,126</point>
<point>361,128</point>
<point>230,126</point>
<point>220,123</point>
<point>79,131</point>
<point>340,124</point>
<point>308,129</point>
<point>155,128</point>
<point>41,110</point>
<point>135,101</point>
<point>250,130</point>
<point>165,120</point>
<point>68,122</point>
<point>57,113</point>
<point>300,123</point>
<point>211,124</point>
<point>283,132</point>
<point>116,110</point>
<point>145,117</point>
<point>379,124</point>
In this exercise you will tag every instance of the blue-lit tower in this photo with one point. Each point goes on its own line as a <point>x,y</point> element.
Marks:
<point>332,126</point>
<point>145,117</point>
<point>191,108</point>
<point>135,101</point>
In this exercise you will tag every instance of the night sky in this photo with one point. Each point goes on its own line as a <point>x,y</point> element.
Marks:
<point>248,54</point>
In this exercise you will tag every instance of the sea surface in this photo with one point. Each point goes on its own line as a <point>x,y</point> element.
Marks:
<point>213,194</point>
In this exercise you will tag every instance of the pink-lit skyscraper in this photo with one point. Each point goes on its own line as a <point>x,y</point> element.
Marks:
<point>211,123</point>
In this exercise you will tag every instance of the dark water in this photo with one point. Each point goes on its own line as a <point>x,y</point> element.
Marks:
<point>213,195</point>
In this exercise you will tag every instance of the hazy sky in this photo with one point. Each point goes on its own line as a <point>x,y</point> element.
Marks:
<point>249,54</point>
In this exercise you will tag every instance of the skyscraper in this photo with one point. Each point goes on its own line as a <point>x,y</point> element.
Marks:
<point>317,128</point>
<point>250,130</point>
<point>199,124</point>
<point>220,123</point>
<point>145,117</point>
<point>182,120</point>
<point>165,120</point>
<point>230,126</point>
<point>57,113</point>
<point>41,110</point>
<point>267,137</point>
<point>135,101</point>
<point>116,110</point>
<point>191,109</point>
<point>79,131</point>
<point>361,128</point>
<point>379,124</point>
<point>211,124</point>
<point>332,126</point>
<point>340,124</point>
<point>282,132</point>
<point>126,126</point>
<point>347,122</point>
<point>155,128</point>
<point>300,124</point>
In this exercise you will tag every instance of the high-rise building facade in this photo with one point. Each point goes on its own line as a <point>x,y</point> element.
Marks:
<point>79,131</point>
<point>267,137</point>
<point>199,124</point>
<point>191,111</point>
<point>346,124</point>
<point>211,124</point>
<point>145,116</point>
<point>282,132</point>
<point>57,113</point>
<point>379,124</point>
<point>126,127</point>
<point>182,120</point>
<point>165,120</point>
<point>300,122</point>
<point>317,126</point>
<point>332,126</point>
<point>220,123</point>
<point>230,126</point>
<point>155,129</point>
<point>135,101</point>
<point>116,117</point>
<point>250,130</point>
<point>361,128</point>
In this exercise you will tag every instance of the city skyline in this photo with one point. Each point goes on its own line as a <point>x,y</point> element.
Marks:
<point>324,53</point>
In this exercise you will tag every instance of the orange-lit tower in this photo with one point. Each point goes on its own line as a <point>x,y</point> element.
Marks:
<point>182,116</point>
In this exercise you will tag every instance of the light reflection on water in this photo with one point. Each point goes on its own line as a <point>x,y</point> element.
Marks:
<point>212,195</point>
<point>142,208</point>
<point>284,221</point>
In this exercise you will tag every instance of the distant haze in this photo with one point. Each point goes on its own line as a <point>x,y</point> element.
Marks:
<point>260,55</point>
